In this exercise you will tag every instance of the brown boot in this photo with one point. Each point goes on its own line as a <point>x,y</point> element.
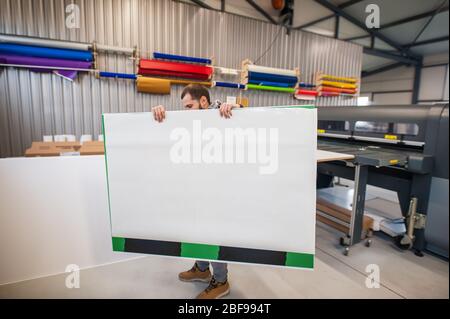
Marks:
<point>215,290</point>
<point>195,274</point>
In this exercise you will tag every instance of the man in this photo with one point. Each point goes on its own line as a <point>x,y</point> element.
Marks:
<point>196,97</point>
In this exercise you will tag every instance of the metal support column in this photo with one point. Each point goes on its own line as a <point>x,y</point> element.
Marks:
<point>416,87</point>
<point>357,217</point>
<point>359,198</point>
<point>336,27</point>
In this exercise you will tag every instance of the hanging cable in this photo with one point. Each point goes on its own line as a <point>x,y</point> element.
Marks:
<point>270,46</point>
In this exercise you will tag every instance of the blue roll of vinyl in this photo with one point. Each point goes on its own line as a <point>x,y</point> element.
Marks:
<point>229,85</point>
<point>158,55</point>
<point>118,75</point>
<point>44,52</point>
<point>274,78</point>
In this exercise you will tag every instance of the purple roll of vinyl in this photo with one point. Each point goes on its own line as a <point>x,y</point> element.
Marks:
<point>34,61</point>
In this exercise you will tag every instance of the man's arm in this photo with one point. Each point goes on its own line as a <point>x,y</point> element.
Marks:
<point>159,113</point>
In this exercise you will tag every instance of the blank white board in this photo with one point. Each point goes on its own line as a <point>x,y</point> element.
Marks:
<point>180,187</point>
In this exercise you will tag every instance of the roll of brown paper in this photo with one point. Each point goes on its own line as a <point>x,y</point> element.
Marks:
<point>152,85</point>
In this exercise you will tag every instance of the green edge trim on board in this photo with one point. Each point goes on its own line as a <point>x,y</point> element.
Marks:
<point>200,251</point>
<point>212,252</point>
<point>118,244</point>
<point>299,260</point>
<point>309,106</point>
<point>106,166</point>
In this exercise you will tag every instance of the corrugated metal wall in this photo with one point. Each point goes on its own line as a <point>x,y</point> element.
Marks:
<point>34,104</point>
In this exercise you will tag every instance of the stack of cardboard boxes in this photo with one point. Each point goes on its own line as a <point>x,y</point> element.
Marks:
<point>65,148</point>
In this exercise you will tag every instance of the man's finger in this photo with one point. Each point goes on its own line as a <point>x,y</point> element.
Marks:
<point>228,111</point>
<point>159,115</point>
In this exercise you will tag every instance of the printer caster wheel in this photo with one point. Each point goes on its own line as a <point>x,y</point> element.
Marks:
<point>346,251</point>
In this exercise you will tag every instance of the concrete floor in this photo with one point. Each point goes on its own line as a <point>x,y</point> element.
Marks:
<point>402,275</point>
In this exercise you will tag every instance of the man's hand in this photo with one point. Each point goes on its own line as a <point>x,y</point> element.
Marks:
<point>225,109</point>
<point>159,113</point>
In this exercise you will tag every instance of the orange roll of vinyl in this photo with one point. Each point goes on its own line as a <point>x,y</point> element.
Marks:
<point>338,90</point>
<point>152,85</point>
<point>186,82</point>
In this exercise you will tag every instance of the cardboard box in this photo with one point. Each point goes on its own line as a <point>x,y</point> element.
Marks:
<point>341,214</point>
<point>92,148</point>
<point>52,148</point>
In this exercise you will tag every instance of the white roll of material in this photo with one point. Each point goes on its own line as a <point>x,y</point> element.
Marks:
<point>265,69</point>
<point>44,42</point>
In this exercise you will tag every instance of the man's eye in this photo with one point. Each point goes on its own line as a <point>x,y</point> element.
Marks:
<point>189,106</point>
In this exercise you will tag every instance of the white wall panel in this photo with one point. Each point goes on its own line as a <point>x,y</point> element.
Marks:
<point>432,83</point>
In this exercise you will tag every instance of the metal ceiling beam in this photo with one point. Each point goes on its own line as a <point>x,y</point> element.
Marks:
<point>306,25</point>
<point>349,3</point>
<point>359,37</point>
<point>361,25</point>
<point>261,11</point>
<point>412,18</point>
<point>429,21</point>
<point>202,4</point>
<point>341,6</point>
<point>382,69</point>
<point>429,41</point>
<point>402,21</point>
<point>390,56</point>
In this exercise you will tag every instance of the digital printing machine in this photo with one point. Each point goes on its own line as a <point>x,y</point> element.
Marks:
<point>399,148</point>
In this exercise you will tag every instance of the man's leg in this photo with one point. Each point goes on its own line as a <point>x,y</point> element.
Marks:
<point>219,286</point>
<point>202,265</point>
<point>220,271</point>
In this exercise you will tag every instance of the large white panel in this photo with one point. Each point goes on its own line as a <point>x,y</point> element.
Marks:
<point>264,204</point>
<point>53,213</point>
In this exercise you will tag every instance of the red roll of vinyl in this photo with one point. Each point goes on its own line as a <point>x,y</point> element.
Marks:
<point>175,69</point>
<point>306,92</point>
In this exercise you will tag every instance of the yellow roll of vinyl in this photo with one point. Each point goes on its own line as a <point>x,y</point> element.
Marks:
<point>152,85</point>
<point>341,85</point>
<point>327,77</point>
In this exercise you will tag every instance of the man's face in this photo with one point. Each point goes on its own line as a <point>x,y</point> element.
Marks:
<point>191,104</point>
